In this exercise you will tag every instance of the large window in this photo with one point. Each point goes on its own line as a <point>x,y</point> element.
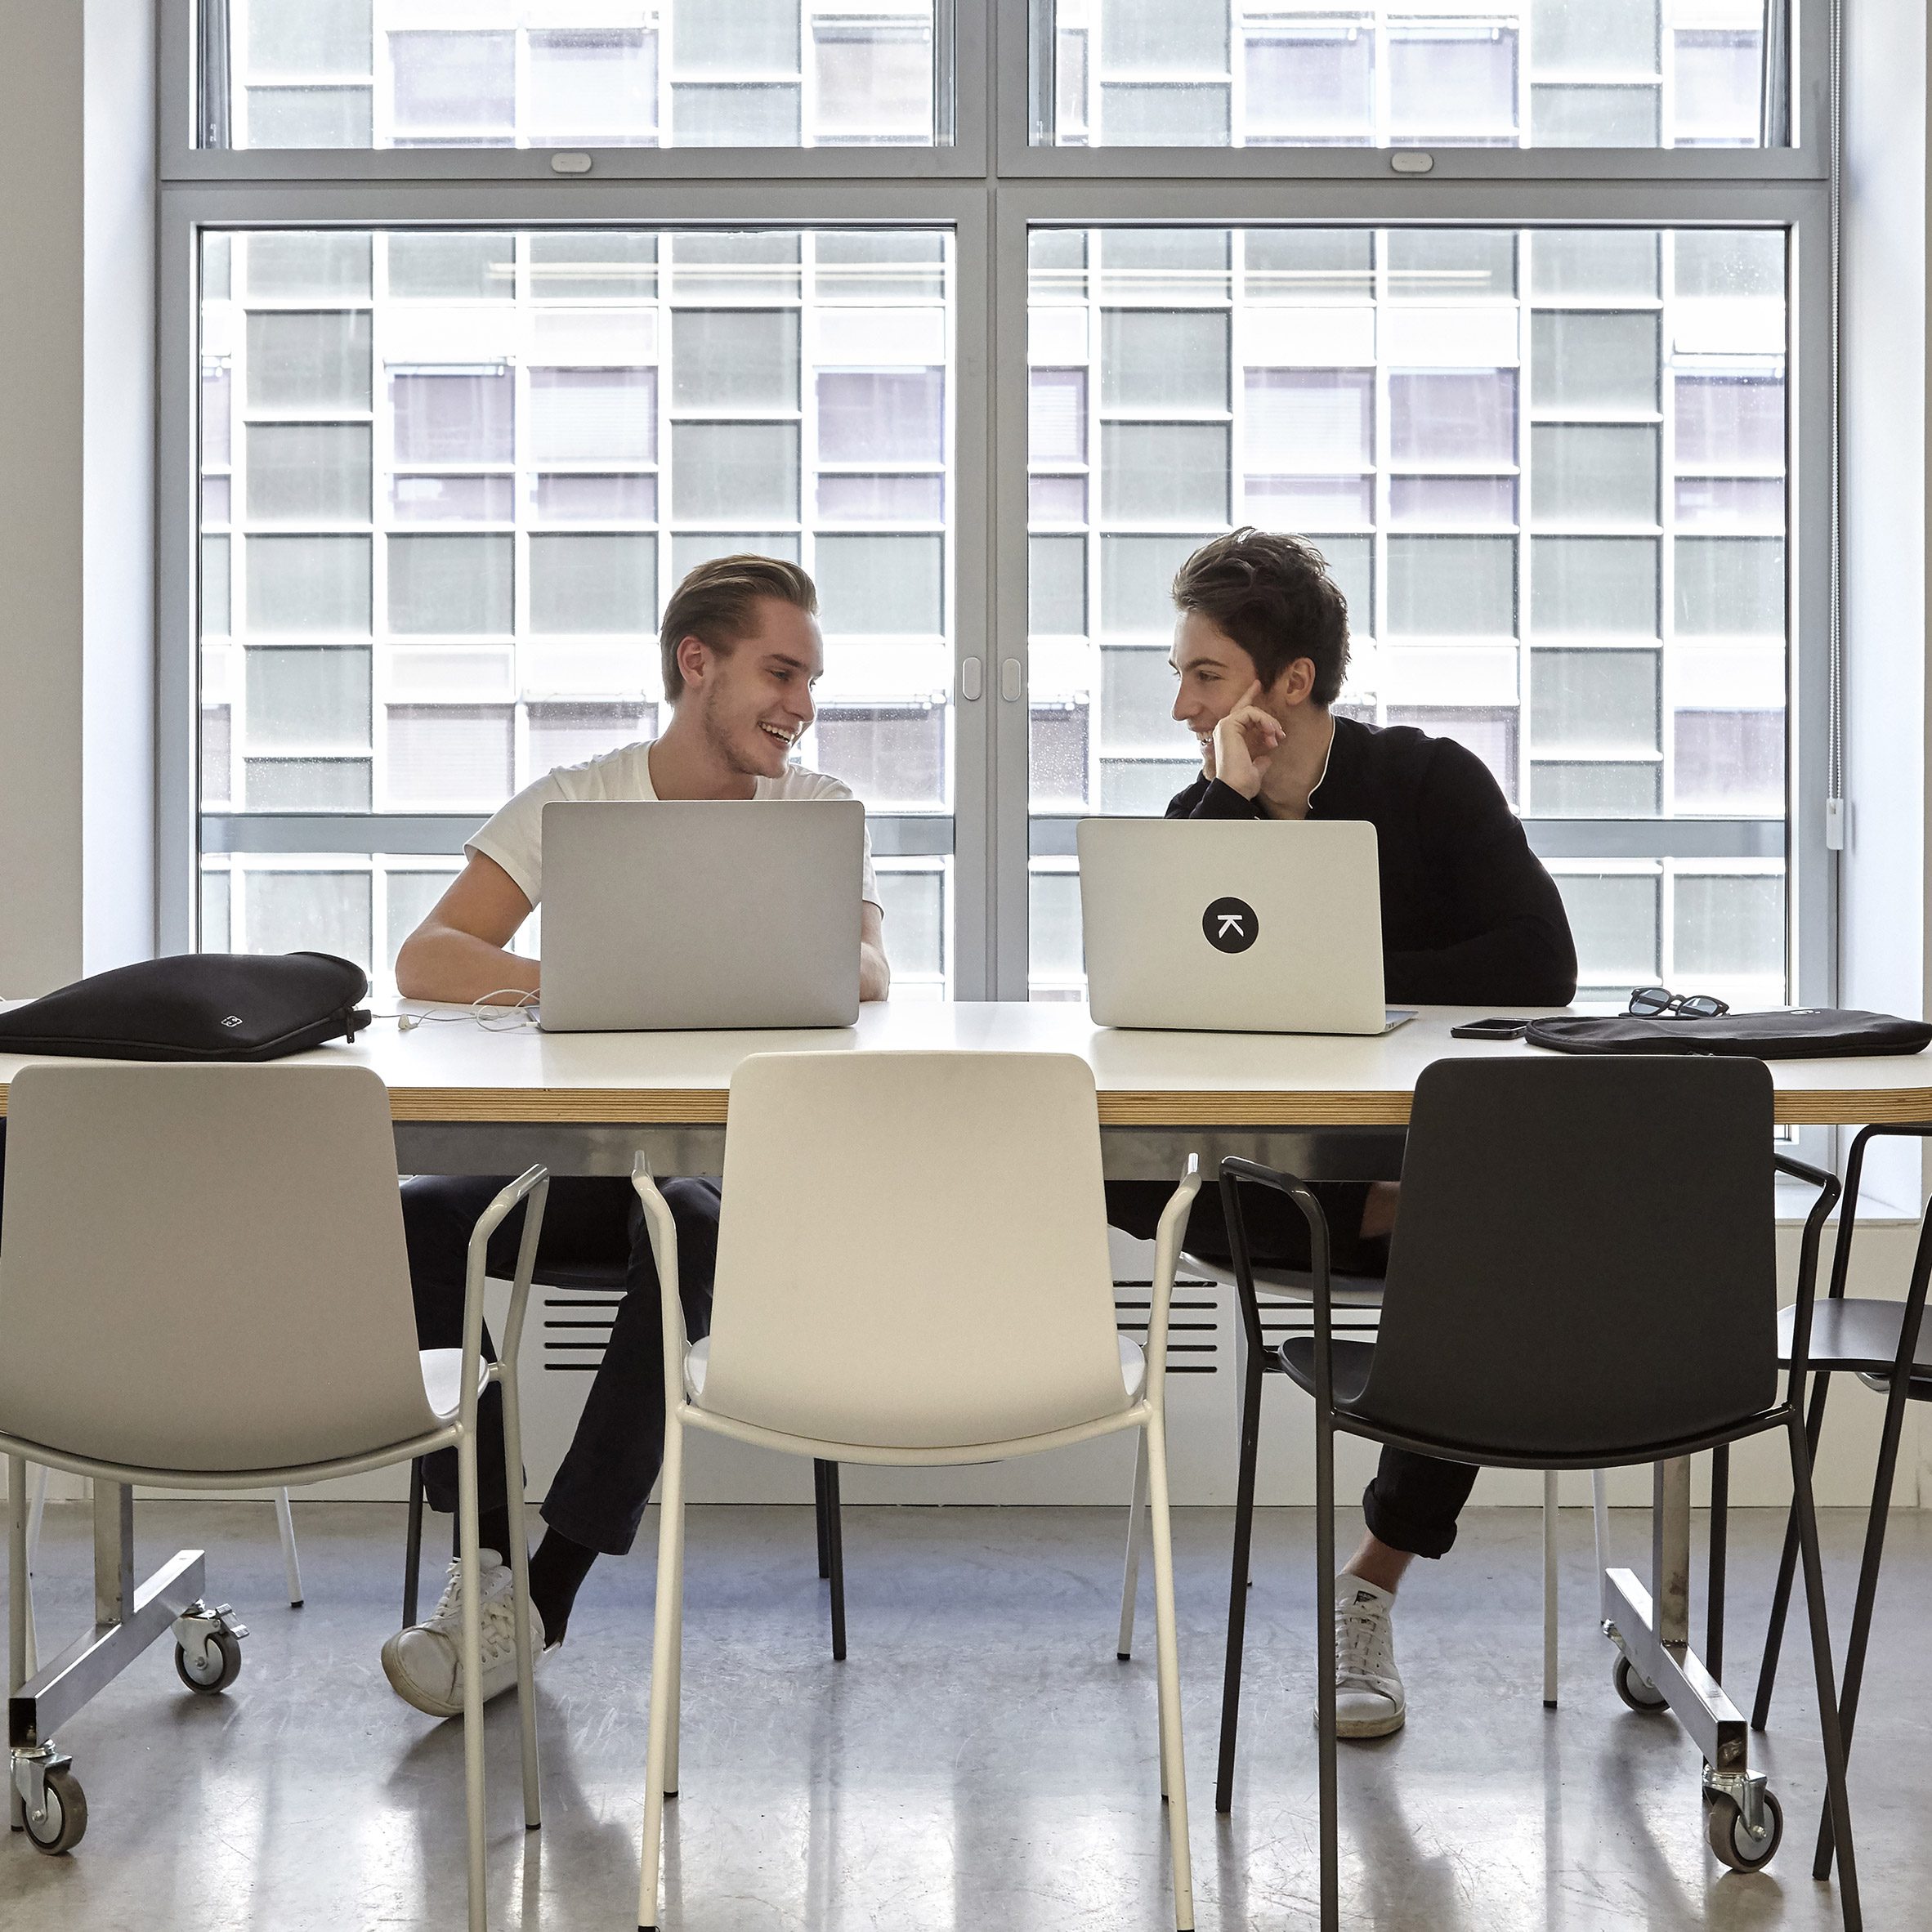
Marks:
<point>481,323</point>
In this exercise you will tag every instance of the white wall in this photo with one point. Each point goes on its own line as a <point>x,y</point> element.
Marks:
<point>77,413</point>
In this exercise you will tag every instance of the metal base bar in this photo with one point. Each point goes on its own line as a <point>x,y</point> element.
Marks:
<point>86,1668</point>
<point>1714,1725</point>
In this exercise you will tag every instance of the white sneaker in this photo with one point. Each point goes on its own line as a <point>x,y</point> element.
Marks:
<point>424,1663</point>
<point>1368,1688</point>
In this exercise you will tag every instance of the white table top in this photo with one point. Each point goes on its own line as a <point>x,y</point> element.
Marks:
<point>453,1070</point>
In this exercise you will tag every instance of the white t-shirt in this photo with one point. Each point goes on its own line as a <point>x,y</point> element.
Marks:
<point>515,837</point>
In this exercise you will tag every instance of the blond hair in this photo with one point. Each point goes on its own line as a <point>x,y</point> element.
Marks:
<point>716,604</point>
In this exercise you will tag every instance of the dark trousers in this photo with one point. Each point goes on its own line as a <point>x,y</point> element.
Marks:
<point>1414,1501</point>
<point>597,1495</point>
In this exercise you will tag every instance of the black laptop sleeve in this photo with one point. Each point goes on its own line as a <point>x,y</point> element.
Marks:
<point>1813,1033</point>
<point>196,1006</point>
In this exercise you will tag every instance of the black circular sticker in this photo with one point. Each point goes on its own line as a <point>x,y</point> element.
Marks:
<point>1231,925</point>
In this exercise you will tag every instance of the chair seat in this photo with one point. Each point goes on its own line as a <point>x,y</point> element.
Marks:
<point>1861,1337</point>
<point>1350,1360</point>
<point>1295,1286</point>
<point>697,1360</point>
<point>442,1380</point>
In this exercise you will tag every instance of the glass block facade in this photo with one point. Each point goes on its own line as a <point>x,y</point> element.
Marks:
<point>1598,73</point>
<point>427,73</point>
<point>448,481</point>
<point>1546,467</point>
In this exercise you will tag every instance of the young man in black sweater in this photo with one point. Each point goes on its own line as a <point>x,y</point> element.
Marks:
<point>1470,917</point>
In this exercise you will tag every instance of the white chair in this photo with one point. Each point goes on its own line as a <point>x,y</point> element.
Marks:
<point>912,1270</point>
<point>203,1284</point>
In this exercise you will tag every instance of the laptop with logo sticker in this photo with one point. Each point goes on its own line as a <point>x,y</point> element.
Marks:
<point>701,914</point>
<point>1236,926</point>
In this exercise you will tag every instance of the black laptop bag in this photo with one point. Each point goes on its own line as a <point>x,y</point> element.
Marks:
<point>1809,1033</point>
<point>196,1006</point>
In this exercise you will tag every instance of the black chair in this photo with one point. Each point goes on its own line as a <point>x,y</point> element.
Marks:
<point>1582,1276</point>
<point>608,1278</point>
<point>1886,1345</point>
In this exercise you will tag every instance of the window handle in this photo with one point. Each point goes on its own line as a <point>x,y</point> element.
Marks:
<point>971,682</point>
<point>1013,681</point>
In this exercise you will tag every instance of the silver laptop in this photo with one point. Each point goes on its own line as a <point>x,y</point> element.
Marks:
<point>1233,926</point>
<point>702,914</point>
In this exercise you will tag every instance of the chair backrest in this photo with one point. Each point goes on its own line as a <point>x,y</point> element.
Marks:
<point>1583,1256</point>
<point>912,1252</point>
<point>202,1268</point>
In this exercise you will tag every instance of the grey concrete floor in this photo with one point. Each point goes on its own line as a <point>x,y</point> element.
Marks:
<point>981,1759</point>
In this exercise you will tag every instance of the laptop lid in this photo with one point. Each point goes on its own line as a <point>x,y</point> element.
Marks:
<point>1241,926</point>
<point>700,913</point>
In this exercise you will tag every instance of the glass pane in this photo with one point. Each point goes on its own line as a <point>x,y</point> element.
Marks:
<point>1581,360</point>
<point>736,114</point>
<point>1137,700</point>
<point>1059,415</point>
<point>306,784</point>
<point>1594,474</point>
<point>1729,761</point>
<point>328,912</point>
<point>1594,264</point>
<point>1595,583</point>
<point>735,469</point>
<point>452,500</point>
<point>595,500</point>
<point>892,756</point>
<point>300,700</point>
<point>592,583</point>
<point>324,262</point>
<point>880,416</point>
<point>596,85</point>
<point>914,903</point>
<point>1164,359</point>
<point>1253,72</point>
<point>453,90</point>
<point>1309,420</point>
<point>593,415</point>
<point>570,734</point>
<point>1464,419</point>
<point>726,36</point>
<point>1490,732</point>
<point>858,498</point>
<point>456,585</point>
<point>308,472</point>
<point>734,359</point>
<point>455,416</point>
<point>1729,928</point>
<point>1057,587</point>
<point>1727,584</point>
<point>1594,700</point>
<point>874,81</point>
<point>458,267</point>
<point>753,267</point>
<point>1592,790</point>
<point>412,892</point>
<point>1055,955</point>
<point>319,584</point>
<point>1452,585</point>
<point>869,583</point>
<point>597,267</point>
<point>1163,471</point>
<point>299,362</point>
<point>1615,919</point>
<point>442,757</point>
<point>1057,757</point>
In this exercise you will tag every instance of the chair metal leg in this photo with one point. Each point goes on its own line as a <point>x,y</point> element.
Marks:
<point>1787,1563</point>
<point>1136,1525</point>
<point>1550,1590</point>
<point>818,1512</point>
<point>1331,1882</point>
<point>412,1548</point>
<point>291,1560</point>
<point>36,1515</point>
<point>1714,1595</point>
<point>526,1691</point>
<point>1600,1516</point>
<point>468,1537</point>
<point>835,1565</point>
<point>17,1601</point>
<point>1838,1803</point>
<point>1173,1778</point>
<point>1875,1544</point>
<point>664,1637</point>
<point>1237,1586</point>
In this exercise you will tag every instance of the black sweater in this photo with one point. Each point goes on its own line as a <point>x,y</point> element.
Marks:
<point>1470,917</point>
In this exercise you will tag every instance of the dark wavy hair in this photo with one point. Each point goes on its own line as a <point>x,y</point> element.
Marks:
<point>1273,594</point>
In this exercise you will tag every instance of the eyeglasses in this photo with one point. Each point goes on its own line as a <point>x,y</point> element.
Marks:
<point>1652,1002</point>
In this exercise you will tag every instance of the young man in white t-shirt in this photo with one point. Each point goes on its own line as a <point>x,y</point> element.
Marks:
<point>742,654</point>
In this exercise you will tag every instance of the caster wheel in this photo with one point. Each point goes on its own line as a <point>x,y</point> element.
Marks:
<point>64,1823</point>
<point>217,1666</point>
<point>1635,1691</point>
<point>1731,1843</point>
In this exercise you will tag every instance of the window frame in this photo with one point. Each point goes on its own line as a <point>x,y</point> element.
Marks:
<point>988,185</point>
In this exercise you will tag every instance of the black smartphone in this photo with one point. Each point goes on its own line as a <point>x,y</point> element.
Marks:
<point>1490,1029</point>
